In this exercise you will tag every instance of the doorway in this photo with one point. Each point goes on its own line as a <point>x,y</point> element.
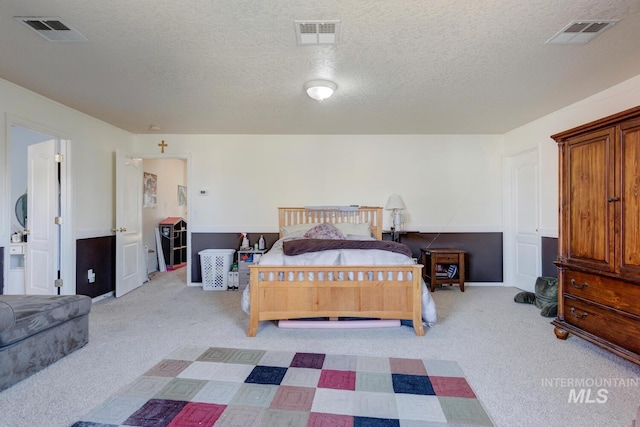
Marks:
<point>141,211</point>
<point>38,194</point>
<point>170,201</point>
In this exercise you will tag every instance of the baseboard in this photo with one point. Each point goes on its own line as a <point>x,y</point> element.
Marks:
<point>101,297</point>
<point>474,284</point>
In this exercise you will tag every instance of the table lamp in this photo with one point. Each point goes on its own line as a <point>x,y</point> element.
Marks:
<point>395,204</point>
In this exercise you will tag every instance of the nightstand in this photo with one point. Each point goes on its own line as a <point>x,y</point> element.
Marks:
<point>246,257</point>
<point>443,266</point>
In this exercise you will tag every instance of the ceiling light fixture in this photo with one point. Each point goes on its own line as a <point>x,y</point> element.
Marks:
<point>320,89</point>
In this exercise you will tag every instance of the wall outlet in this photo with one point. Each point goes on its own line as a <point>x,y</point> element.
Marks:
<point>91,276</point>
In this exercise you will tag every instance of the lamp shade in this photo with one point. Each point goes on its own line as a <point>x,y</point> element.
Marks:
<point>320,89</point>
<point>394,202</point>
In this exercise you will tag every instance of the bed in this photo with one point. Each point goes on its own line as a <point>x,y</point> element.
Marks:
<point>279,290</point>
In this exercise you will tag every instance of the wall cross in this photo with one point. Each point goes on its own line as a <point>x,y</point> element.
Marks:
<point>162,145</point>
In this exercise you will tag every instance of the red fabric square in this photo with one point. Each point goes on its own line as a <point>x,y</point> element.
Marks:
<point>198,415</point>
<point>451,387</point>
<point>339,380</point>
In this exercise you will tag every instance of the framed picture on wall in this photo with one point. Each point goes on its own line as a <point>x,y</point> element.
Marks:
<point>150,190</point>
<point>182,195</point>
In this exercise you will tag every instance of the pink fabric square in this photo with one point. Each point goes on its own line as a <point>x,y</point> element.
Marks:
<point>407,366</point>
<point>338,380</point>
<point>451,387</point>
<point>293,398</point>
<point>317,419</point>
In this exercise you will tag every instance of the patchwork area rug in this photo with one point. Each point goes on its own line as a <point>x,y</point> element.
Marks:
<point>233,387</point>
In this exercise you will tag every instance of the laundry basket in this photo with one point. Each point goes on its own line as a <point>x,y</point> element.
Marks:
<point>215,265</point>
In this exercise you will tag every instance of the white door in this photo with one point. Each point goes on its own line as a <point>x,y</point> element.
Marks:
<point>41,262</point>
<point>128,228</point>
<point>525,244</point>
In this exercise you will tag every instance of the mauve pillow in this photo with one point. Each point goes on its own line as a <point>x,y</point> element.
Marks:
<point>324,231</point>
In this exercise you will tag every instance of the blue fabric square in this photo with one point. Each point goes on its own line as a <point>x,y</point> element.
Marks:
<point>266,375</point>
<point>375,422</point>
<point>91,424</point>
<point>412,384</point>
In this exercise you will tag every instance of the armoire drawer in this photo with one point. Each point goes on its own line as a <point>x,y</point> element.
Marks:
<point>610,325</point>
<point>606,291</point>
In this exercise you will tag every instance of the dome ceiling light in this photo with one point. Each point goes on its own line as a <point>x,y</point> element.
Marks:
<point>320,89</point>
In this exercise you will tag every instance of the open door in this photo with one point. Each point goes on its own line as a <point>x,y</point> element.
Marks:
<point>130,263</point>
<point>41,265</point>
<point>526,245</point>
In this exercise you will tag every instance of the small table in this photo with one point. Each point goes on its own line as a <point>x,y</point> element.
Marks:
<point>453,258</point>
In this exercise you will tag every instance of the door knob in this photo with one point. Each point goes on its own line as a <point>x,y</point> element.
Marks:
<point>26,231</point>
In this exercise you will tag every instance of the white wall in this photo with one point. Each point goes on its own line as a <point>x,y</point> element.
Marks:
<point>537,134</point>
<point>92,146</point>
<point>90,156</point>
<point>448,182</point>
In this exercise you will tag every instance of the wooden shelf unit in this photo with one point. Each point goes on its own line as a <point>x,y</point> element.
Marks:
<point>173,234</point>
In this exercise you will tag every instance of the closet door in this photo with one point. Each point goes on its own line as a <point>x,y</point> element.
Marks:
<point>628,201</point>
<point>41,264</point>
<point>589,185</point>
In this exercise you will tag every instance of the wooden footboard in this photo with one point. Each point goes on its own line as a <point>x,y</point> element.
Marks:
<point>385,292</point>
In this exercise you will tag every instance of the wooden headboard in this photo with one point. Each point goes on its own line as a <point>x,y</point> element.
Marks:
<point>294,216</point>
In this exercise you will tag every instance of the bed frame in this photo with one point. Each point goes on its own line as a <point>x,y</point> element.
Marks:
<point>293,292</point>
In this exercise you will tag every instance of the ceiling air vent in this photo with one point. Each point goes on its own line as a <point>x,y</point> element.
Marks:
<point>317,32</point>
<point>581,32</point>
<point>52,29</point>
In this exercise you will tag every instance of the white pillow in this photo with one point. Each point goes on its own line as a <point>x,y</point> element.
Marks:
<point>290,229</point>
<point>357,229</point>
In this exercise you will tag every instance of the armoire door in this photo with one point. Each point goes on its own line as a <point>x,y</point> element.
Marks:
<point>628,199</point>
<point>590,182</point>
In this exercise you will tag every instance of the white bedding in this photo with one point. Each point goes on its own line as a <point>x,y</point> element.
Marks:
<point>275,256</point>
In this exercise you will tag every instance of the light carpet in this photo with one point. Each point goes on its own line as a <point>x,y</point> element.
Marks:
<point>217,386</point>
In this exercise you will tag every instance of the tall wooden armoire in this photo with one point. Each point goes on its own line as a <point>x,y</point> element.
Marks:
<point>599,233</point>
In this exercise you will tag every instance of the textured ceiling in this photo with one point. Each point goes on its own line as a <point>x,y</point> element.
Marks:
<point>402,67</point>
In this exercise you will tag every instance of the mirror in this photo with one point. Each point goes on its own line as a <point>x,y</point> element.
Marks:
<point>21,209</point>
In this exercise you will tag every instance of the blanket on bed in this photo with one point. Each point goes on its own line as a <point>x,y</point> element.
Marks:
<point>301,246</point>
